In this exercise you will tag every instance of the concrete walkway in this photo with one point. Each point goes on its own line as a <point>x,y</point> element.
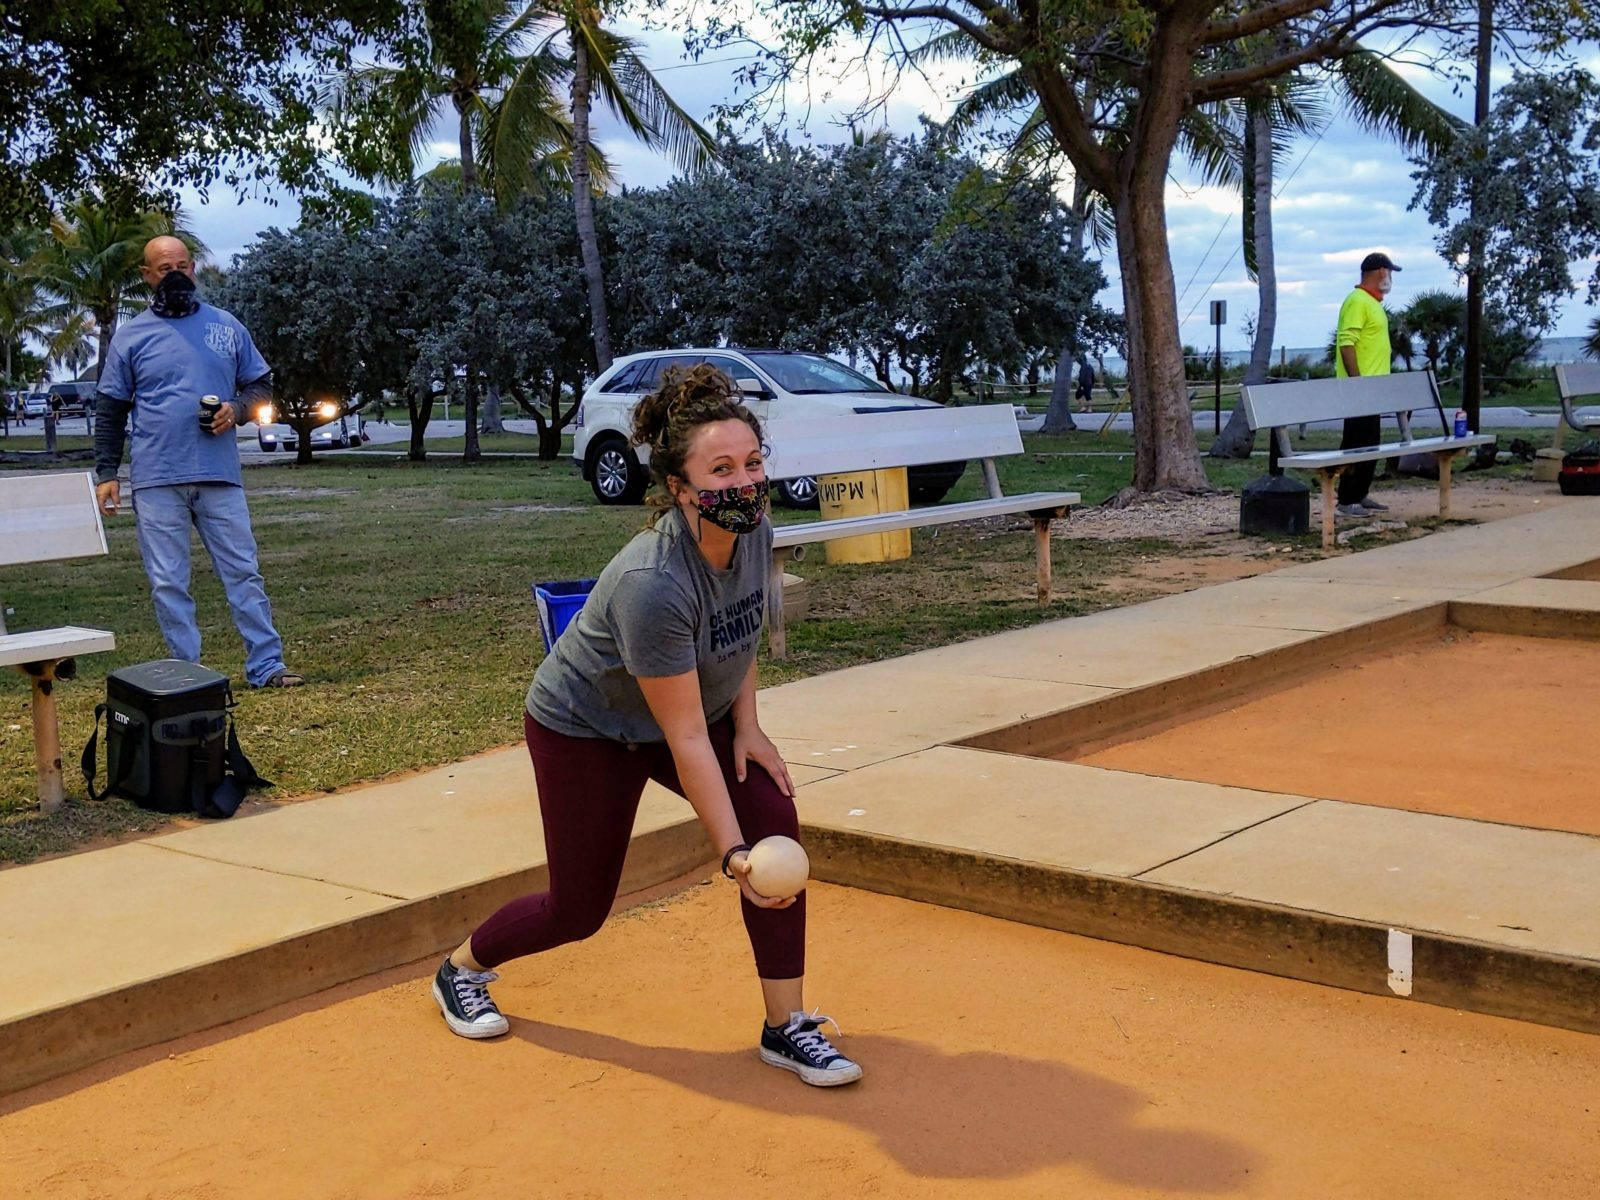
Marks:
<point>921,776</point>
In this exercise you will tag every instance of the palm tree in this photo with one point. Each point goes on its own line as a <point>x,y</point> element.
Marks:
<point>606,64</point>
<point>1438,319</point>
<point>91,262</point>
<point>1591,345</point>
<point>511,116</point>
<point>469,61</point>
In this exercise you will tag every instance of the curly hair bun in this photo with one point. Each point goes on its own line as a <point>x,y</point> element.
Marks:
<point>687,397</point>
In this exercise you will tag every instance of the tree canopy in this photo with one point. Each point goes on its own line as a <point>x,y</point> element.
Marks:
<point>141,96</point>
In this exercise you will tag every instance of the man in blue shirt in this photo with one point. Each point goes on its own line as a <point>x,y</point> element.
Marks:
<point>158,366</point>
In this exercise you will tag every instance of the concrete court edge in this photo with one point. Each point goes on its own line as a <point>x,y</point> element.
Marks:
<point>1150,708</point>
<point>1299,944</point>
<point>44,1045</point>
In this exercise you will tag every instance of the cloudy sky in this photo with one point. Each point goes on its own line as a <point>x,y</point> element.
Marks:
<point>1347,194</point>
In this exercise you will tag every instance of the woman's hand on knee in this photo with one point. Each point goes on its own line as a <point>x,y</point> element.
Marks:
<point>739,864</point>
<point>752,745</point>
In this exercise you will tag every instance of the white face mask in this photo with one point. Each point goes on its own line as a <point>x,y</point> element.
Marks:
<point>1385,282</point>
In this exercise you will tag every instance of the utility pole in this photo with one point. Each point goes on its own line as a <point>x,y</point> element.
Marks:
<point>1472,365</point>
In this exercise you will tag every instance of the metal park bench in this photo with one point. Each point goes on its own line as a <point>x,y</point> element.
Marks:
<point>1279,406</point>
<point>1572,381</point>
<point>44,518</point>
<point>882,440</point>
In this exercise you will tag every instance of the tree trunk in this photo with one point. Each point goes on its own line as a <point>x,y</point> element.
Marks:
<point>1237,439</point>
<point>1266,263</point>
<point>302,451</point>
<point>469,164</point>
<point>583,202</point>
<point>106,323</point>
<point>550,432</point>
<point>1166,454</point>
<point>1058,417</point>
<point>472,452</point>
<point>421,412</point>
<point>493,421</point>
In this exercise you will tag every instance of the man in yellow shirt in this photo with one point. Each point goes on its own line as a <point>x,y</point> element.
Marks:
<point>1363,349</point>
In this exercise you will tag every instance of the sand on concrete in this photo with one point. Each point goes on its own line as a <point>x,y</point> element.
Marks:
<point>1492,727</point>
<point>1001,1060</point>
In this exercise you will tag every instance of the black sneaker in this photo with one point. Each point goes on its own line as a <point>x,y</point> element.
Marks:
<point>1371,505</point>
<point>801,1047</point>
<point>463,997</point>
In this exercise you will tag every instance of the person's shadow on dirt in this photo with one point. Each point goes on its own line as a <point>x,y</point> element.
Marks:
<point>968,1115</point>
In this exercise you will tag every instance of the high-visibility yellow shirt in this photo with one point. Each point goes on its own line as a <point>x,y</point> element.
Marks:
<point>1364,324</point>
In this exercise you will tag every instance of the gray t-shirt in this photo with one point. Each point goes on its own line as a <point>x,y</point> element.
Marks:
<point>657,609</point>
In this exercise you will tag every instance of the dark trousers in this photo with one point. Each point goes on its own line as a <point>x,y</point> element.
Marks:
<point>589,791</point>
<point>1356,481</point>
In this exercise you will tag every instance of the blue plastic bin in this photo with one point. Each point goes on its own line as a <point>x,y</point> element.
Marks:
<point>558,603</point>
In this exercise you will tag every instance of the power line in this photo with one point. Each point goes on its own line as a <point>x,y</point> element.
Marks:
<point>1277,192</point>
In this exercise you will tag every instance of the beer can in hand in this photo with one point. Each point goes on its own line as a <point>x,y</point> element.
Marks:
<point>209,407</point>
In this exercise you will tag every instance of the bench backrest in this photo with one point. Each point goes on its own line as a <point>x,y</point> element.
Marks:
<point>1274,405</point>
<point>1572,381</point>
<point>901,438</point>
<point>48,517</point>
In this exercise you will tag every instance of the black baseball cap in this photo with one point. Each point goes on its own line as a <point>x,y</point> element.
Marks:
<point>1377,261</point>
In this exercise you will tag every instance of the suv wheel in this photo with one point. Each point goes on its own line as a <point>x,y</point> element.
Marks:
<point>616,474</point>
<point>798,493</point>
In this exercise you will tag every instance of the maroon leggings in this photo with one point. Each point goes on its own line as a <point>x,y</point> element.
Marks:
<point>589,791</point>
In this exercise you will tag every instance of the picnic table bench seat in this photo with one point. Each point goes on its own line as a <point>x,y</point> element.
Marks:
<point>48,518</point>
<point>1278,407</point>
<point>902,438</point>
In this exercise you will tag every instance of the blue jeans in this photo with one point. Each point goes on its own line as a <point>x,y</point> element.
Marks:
<point>219,512</point>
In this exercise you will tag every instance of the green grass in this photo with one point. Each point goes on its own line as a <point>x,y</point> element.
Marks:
<point>513,443</point>
<point>402,591</point>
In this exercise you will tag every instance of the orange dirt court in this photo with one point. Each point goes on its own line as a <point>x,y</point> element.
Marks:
<point>1492,727</point>
<point>1001,1060</point>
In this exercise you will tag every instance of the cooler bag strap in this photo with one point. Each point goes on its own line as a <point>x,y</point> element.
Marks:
<point>90,766</point>
<point>88,763</point>
<point>240,766</point>
<point>238,776</point>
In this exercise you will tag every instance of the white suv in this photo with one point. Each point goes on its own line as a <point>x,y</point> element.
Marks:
<point>790,382</point>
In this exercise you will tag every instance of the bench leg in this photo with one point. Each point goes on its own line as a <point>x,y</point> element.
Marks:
<point>46,736</point>
<point>1445,461</point>
<point>777,636</point>
<point>1041,549</point>
<point>1330,484</point>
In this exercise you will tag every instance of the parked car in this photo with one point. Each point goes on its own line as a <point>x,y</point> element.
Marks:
<point>36,404</point>
<point>72,399</point>
<point>338,433</point>
<point>789,383</point>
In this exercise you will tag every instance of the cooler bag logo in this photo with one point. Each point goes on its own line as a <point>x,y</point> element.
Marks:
<point>221,338</point>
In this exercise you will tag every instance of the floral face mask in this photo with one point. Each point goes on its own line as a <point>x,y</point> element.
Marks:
<point>736,509</point>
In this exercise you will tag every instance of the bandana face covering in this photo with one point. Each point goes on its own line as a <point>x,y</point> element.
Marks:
<point>174,296</point>
<point>736,509</point>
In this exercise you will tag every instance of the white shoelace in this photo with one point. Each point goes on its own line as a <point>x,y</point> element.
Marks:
<point>812,1041</point>
<point>472,991</point>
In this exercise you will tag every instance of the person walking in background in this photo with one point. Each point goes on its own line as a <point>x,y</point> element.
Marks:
<point>1085,392</point>
<point>186,470</point>
<point>1362,343</point>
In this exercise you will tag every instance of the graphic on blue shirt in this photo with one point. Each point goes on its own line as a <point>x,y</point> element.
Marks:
<point>739,620</point>
<point>163,365</point>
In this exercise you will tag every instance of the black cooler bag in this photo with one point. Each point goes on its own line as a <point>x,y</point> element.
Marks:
<point>170,741</point>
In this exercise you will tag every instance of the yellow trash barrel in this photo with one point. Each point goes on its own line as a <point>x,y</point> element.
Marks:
<point>860,494</point>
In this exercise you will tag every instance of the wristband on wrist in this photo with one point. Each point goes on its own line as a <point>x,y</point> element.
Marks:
<point>726,858</point>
